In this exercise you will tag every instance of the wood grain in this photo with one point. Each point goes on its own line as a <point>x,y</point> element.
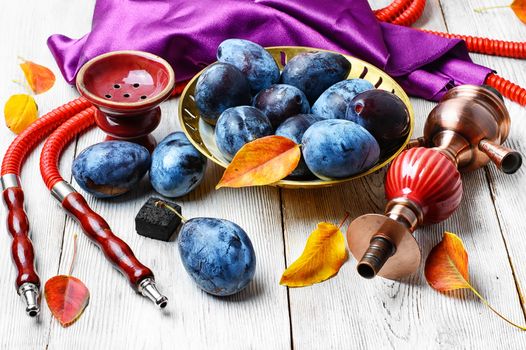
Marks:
<point>24,33</point>
<point>344,312</point>
<point>507,190</point>
<point>349,312</point>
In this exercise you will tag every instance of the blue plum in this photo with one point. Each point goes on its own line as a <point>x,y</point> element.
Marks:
<point>220,87</point>
<point>252,59</point>
<point>109,169</point>
<point>177,166</point>
<point>281,101</point>
<point>384,115</point>
<point>334,101</point>
<point>218,255</point>
<point>239,125</point>
<point>294,128</point>
<point>314,72</point>
<point>338,148</point>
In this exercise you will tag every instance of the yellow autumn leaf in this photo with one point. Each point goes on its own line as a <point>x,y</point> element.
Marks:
<point>322,258</point>
<point>20,111</point>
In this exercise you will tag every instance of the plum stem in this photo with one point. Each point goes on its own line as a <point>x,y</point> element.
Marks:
<point>169,207</point>
<point>74,254</point>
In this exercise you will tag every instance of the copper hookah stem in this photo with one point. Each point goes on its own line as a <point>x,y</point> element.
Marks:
<point>464,132</point>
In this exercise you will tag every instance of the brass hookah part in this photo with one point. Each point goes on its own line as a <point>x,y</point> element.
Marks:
<point>469,125</point>
<point>464,132</point>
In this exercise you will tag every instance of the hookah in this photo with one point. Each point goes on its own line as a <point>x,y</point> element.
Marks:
<point>423,186</point>
<point>120,92</point>
<point>464,132</point>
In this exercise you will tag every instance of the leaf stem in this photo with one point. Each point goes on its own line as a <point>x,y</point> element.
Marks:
<point>495,311</point>
<point>169,207</point>
<point>484,9</point>
<point>74,254</point>
<point>25,86</point>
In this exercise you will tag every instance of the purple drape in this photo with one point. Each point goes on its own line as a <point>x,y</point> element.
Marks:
<point>187,33</point>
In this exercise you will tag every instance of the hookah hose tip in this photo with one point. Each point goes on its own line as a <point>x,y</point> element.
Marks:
<point>94,226</point>
<point>27,281</point>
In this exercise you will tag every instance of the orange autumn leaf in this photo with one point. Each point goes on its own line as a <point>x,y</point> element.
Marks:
<point>322,258</point>
<point>519,7</point>
<point>67,297</point>
<point>447,269</point>
<point>262,162</point>
<point>39,78</point>
<point>447,265</point>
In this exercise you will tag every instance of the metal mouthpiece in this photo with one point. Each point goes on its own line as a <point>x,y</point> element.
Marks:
<point>31,296</point>
<point>148,289</point>
<point>380,249</point>
<point>506,159</point>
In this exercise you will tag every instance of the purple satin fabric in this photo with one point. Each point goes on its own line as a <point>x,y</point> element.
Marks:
<point>188,32</point>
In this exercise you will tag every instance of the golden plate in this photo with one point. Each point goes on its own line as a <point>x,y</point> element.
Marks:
<point>201,134</point>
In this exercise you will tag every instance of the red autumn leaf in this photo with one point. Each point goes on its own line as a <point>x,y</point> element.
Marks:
<point>447,269</point>
<point>67,297</point>
<point>262,162</point>
<point>447,265</point>
<point>39,78</point>
<point>519,7</point>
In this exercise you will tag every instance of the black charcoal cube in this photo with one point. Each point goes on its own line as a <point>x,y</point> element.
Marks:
<point>157,221</point>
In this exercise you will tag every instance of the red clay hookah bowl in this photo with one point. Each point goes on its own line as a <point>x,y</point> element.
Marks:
<point>127,88</point>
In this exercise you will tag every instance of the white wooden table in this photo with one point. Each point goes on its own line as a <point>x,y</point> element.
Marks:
<point>344,312</point>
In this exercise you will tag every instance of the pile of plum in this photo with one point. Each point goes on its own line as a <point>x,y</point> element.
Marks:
<point>345,126</point>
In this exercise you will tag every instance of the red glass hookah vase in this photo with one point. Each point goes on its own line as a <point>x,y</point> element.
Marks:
<point>464,132</point>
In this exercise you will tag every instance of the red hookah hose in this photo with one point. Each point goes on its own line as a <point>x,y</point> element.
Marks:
<point>508,89</point>
<point>55,144</point>
<point>30,137</point>
<point>22,252</point>
<point>390,12</point>
<point>413,12</point>
<point>487,46</point>
<point>475,44</point>
<point>96,228</point>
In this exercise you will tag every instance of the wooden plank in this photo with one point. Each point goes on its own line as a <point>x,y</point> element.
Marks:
<point>116,316</point>
<point>507,191</point>
<point>24,32</point>
<point>194,319</point>
<point>342,311</point>
<point>348,311</point>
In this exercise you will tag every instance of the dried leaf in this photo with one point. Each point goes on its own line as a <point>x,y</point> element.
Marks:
<point>19,112</point>
<point>322,258</point>
<point>39,78</point>
<point>262,162</point>
<point>447,265</point>
<point>519,7</point>
<point>67,297</point>
<point>447,269</point>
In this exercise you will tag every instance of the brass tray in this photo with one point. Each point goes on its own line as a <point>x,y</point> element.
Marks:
<point>201,134</point>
